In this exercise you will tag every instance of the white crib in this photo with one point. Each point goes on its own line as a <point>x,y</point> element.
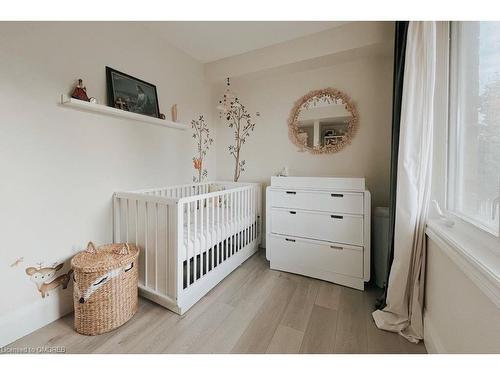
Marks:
<point>190,238</point>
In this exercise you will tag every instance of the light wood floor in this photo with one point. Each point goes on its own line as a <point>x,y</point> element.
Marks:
<point>254,310</point>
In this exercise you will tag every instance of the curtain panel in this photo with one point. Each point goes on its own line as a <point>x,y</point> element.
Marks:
<point>400,33</point>
<point>404,301</point>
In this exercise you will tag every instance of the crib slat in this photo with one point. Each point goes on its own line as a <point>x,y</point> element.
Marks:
<point>136,222</point>
<point>249,207</point>
<point>146,231</point>
<point>127,212</point>
<point>156,246</point>
<point>222,224</point>
<point>202,235</point>
<point>245,217</point>
<point>216,239</point>
<point>232,223</point>
<point>237,196</point>
<point>207,200</point>
<point>177,221</point>
<point>227,222</point>
<point>188,242</point>
<point>237,224</point>
<point>167,247</point>
<point>235,221</point>
<point>116,218</point>
<point>195,238</point>
<point>244,226</point>
<point>253,214</point>
<point>241,224</point>
<point>255,211</point>
<point>207,233</point>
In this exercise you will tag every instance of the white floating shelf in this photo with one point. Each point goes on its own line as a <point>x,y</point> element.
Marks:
<point>114,112</point>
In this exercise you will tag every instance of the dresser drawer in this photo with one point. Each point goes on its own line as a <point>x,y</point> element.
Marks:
<point>341,228</point>
<point>314,257</point>
<point>349,203</point>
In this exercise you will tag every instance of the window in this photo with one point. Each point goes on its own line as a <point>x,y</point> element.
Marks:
<point>474,124</point>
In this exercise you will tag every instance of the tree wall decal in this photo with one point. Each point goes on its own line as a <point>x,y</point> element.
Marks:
<point>241,122</point>
<point>201,133</point>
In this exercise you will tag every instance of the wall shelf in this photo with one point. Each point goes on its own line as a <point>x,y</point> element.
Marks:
<point>114,112</point>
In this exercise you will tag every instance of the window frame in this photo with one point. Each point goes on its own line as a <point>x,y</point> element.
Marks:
<point>472,250</point>
<point>468,223</point>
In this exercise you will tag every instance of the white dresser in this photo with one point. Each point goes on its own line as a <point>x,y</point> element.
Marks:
<point>320,227</point>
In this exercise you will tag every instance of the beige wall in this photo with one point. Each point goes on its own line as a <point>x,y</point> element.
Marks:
<point>459,317</point>
<point>59,166</point>
<point>368,80</point>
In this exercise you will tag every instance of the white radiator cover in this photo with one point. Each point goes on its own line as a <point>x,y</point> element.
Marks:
<point>320,227</point>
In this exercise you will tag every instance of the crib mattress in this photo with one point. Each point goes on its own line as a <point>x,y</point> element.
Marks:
<point>199,240</point>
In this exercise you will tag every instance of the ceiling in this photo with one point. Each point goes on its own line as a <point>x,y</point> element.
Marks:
<point>208,41</point>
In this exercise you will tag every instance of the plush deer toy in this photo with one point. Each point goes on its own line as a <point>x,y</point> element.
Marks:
<point>42,277</point>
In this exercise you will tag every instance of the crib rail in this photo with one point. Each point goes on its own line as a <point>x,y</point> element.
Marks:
<point>216,225</point>
<point>186,235</point>
<point>188,190</point>
<point>149,222</point>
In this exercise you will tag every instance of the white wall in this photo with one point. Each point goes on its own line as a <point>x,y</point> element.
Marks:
<point>367,80</point>
<point>459,317</point>
<point>349,38</point>
<point>59,167</point>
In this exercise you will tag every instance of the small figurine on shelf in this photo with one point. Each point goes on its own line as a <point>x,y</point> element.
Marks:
<point>121,104</point>
<point>80,91</point>
<point>174,113</point>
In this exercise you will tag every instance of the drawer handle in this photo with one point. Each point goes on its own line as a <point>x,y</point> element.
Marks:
<point>293,212</point>
<point>337,195</point>
<point>291,192</point>
<point>336,216</point>
<point>336,247</point>
<point>289,240</point>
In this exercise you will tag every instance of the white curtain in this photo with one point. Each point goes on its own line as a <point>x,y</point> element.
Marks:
<point>403,313</point>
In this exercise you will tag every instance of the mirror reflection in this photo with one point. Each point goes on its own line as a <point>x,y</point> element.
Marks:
<point>323,121</point>
<point>323,124</point>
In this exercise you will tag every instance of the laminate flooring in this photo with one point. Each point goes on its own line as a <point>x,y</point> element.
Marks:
<point>253,310</point>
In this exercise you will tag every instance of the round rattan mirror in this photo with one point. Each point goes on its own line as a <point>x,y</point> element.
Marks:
<point>323,121</point>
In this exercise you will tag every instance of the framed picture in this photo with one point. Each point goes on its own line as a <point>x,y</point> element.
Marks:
<point>131,94</point>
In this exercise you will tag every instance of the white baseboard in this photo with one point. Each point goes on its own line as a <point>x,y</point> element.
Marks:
<point>29,318</point>
<point>432,341</point>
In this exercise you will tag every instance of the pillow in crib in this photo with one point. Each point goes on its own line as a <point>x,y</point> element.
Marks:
<point>212,188</point>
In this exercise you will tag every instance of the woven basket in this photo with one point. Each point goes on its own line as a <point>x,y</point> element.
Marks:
<point>105,287</point>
